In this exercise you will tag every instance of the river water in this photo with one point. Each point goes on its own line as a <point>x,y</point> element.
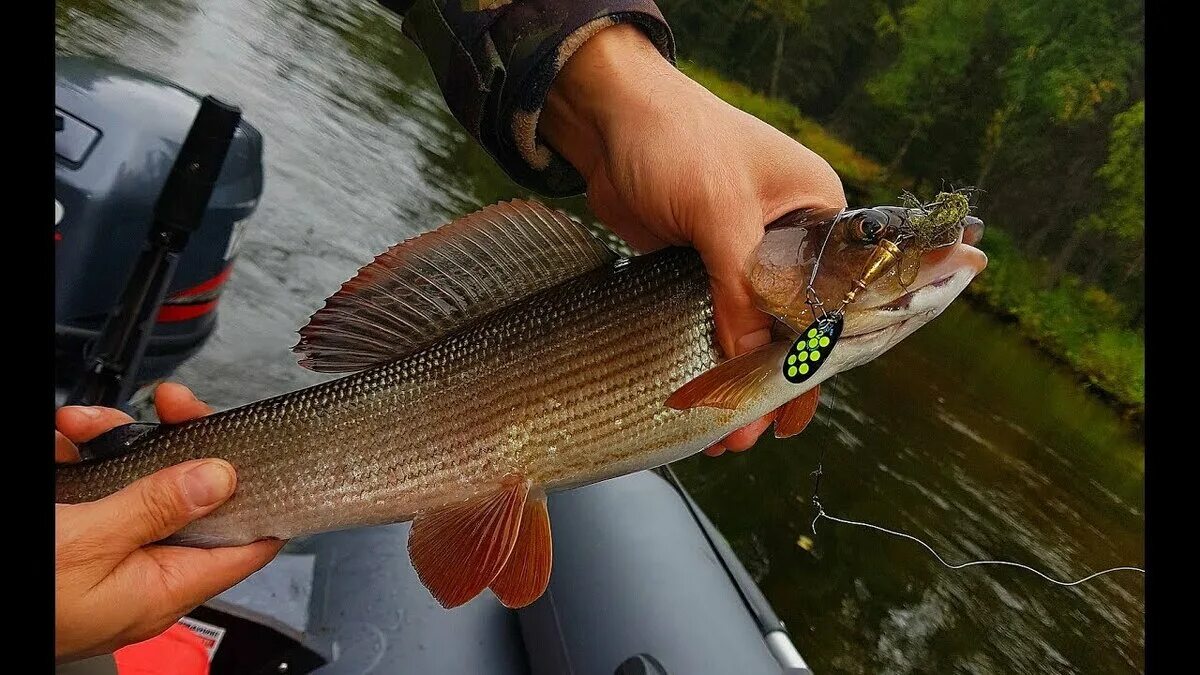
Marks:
<point>963,434</point>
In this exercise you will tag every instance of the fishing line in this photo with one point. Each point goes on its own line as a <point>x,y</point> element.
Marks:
<point>811,297</point>
<point>816,502</point>
<point>829,324</point>
<point>814,301</point>
<point>821,514</point>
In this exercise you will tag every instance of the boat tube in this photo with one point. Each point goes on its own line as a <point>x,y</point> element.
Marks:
<point>642,583</point>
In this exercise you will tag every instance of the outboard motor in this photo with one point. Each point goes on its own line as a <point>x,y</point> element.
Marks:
<point>118,132</point>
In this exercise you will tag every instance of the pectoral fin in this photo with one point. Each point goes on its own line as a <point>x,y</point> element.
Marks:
<point>731,384</point>
<point>795,415</point>
<point>460,549</point>
<point>527,572</point>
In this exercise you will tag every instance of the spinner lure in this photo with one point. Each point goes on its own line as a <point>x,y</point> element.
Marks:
<point>811,350</point>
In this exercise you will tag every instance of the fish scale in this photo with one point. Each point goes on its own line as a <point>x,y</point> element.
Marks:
<point>582,368</point>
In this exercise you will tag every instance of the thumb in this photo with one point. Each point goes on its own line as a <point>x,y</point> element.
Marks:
<point>154,507</point>
<point>741,326</point>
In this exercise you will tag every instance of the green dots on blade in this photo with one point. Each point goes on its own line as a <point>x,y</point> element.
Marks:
<point>812,348</point>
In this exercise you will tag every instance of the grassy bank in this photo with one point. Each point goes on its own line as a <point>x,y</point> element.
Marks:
<point>1081,326</point>
<point>860,173</point>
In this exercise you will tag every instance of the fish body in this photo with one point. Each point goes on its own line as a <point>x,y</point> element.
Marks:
<point>565,389</point>
<point>469,427</point>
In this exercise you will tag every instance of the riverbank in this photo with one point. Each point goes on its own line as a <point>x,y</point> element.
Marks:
<point>1079,325</point>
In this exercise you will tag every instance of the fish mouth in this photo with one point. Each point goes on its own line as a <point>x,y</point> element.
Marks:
<point>866,335</point>
<point>933,290</point>
<point>905,301</point>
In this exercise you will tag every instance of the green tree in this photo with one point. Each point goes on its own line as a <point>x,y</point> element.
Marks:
<point>1070,58</point>
<point>1069,66</point>
<point>783,14</point>
<point>1122,214</point>
<point>936,38</point>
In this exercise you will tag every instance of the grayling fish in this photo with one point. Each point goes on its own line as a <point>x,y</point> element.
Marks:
<point>510,354</point>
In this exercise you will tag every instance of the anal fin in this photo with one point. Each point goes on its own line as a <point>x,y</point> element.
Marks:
<point>731,384</point>
<point>458,550</point>
<point>527,572</point>
<point>795,415</point>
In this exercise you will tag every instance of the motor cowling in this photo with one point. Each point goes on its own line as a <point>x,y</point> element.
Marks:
<point>117,134</point>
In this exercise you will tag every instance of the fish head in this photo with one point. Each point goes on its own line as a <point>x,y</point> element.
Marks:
<point>914,266</point>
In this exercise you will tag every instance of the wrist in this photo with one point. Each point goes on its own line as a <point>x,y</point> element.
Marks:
<point>613,74</point>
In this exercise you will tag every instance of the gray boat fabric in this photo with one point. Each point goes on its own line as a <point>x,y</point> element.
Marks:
<point>634,576</point>
<point>635,582</point>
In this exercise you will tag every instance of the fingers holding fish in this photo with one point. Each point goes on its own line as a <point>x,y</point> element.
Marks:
<point>175,403</point>
<point>740,326</point>
<point>80,423</point>
<point>743,439</point>
<point>715,450</point>
<point>114,586</point>
<point>191,576</point>
<point>65,451</point>
<point>160,504</point>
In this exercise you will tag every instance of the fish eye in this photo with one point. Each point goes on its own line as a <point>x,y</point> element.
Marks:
<point>868,227</point>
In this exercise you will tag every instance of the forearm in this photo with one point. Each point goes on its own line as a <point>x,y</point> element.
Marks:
<point>617,73</point>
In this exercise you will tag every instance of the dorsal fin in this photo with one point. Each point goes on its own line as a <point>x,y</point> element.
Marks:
<point>423,289</point>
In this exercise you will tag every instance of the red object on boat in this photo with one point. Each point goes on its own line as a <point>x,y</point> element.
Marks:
<point>175,651</point>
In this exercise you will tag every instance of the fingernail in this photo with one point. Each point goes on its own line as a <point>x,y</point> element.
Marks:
<point>208,483</point>
<point>88,412</point>
<point>753,340</point>
<point>179,387</point>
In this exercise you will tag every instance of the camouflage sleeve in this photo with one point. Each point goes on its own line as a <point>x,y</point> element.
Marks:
<point>495,60</point>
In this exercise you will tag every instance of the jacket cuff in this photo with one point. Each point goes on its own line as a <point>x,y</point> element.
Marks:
<point>495,61</point>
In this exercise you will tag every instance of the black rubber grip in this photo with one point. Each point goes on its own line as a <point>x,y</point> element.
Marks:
<point>189,186</point>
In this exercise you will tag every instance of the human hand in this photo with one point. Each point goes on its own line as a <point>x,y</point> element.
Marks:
<point>113,585</point>
<point>668,163</point>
